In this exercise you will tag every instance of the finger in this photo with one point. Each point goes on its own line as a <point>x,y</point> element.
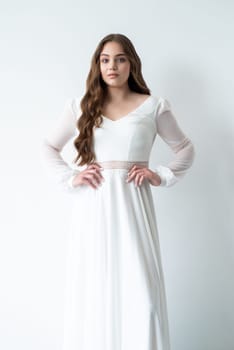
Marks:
<point>95,173</point>
<point>135,168</point>
<point>98,166</point>
<point>137,178</point>
<point>95,166</point>
<point>131,169</point>
<point>141,180</point>
<point>134,173</point>
<point>92,180</point>
<point>99,178</point>
<point>88,182</point>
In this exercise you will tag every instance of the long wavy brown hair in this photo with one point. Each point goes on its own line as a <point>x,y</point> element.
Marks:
<point>93,99</point>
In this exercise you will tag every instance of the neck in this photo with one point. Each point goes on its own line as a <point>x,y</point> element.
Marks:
<point>115,94</point>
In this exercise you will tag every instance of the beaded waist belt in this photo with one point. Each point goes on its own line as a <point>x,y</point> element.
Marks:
<point>121,164</point>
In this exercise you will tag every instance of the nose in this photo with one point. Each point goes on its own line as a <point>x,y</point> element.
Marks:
<point>113,64</point>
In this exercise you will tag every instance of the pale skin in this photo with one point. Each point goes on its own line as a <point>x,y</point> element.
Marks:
<point>114,61</point>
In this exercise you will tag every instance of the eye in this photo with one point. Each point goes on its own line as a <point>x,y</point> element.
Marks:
<point>120,59</point>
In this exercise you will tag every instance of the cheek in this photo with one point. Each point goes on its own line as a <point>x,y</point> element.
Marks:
<point>126,69</point>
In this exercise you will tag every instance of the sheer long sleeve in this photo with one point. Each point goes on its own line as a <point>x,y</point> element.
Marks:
<point>182,147</point>
<point>53,143</point>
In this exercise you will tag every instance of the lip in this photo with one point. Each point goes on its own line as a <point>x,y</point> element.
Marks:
<point>112,75</point>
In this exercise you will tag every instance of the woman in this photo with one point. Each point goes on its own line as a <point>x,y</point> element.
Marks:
<point>115,297</point>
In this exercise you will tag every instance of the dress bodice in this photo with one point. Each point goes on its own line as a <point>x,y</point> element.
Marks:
<point>129,138</point>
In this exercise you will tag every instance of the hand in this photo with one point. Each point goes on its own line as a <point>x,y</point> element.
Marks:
<point>140,173</point>
<point>90,176</point>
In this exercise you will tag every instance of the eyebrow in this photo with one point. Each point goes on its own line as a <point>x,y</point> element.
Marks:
<point>119,54</point>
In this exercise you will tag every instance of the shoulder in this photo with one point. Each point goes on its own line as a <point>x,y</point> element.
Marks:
<point>138,97</point>
<point>148,100</point>
<point>161,104</point>
<point>156,103</point>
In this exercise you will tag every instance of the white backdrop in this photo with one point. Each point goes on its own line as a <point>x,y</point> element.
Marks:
<point>186,48</point>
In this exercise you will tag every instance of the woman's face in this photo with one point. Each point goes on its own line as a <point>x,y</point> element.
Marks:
<point>113,60</point>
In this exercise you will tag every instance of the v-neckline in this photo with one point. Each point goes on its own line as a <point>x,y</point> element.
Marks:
<point>124,116</point>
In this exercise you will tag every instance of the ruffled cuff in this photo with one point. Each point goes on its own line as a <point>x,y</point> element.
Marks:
<point>167,176</point>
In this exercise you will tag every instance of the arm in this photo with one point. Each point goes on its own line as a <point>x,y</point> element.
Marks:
<point>53,143</point>
<point>169,130</point>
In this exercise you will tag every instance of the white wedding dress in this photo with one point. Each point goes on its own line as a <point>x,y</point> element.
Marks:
<point>115,297</point>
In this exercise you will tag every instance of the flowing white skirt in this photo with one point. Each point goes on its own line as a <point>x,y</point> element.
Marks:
<point>115,296</point>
